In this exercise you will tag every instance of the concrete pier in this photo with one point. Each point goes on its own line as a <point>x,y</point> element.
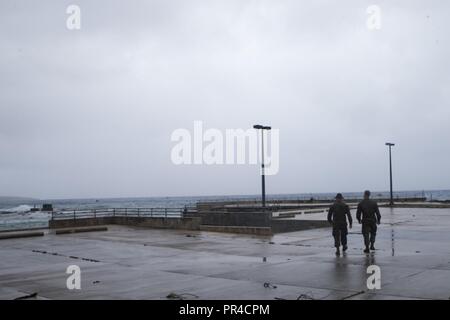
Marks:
<point>128,262</point>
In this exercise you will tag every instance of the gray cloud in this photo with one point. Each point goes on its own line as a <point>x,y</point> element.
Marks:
<point>89,113</point>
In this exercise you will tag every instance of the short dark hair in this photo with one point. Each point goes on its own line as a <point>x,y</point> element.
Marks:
<point>339,196</point>
<point>367,193</point>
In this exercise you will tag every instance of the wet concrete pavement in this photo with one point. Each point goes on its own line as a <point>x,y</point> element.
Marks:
<point>131,263</point>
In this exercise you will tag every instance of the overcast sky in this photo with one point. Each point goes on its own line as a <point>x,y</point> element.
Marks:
<point>90,112</point>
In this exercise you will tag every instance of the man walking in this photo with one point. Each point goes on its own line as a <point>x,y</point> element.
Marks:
<point>369,216</point>
<point>338,214</point>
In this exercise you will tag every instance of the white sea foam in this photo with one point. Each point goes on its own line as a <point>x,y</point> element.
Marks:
<point>19,209</point>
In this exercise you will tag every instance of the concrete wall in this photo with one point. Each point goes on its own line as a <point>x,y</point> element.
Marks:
<point>258,223</point>
<point>160,222</point>
<point>12,235</point>
<point>279,225</point>
<point>149,222</point>
<point>260,231</point>
<point>84,222</point>
<point>246,219</point>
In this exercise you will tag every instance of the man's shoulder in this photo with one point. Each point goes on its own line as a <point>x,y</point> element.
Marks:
<point>333,205</point>
<point>341,205</point>
<point>338,205</point>
<point>367,201</point>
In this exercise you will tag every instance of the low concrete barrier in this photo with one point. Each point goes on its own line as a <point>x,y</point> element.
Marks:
<point>286,215</point>
<point>23,229</point>
<point>314,211</point>
<point>14,235</point>
<point>78,230</point>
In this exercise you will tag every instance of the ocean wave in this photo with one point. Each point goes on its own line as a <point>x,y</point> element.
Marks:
<point>23,208</point>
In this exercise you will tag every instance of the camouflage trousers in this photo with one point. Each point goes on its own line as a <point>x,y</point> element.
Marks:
<point>369,231</point>
<point>340,234</point>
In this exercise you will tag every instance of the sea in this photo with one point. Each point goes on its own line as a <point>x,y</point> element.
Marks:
<point>16,214</point>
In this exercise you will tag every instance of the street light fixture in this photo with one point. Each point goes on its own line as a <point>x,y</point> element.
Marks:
<point>263,182</point>
<point>390,145</point>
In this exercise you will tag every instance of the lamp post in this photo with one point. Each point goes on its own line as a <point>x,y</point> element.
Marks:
<point>390,145</point>
<point>263,182</point>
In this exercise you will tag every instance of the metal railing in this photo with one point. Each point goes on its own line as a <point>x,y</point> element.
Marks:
<point>313,197</point>
<point>119,212</point>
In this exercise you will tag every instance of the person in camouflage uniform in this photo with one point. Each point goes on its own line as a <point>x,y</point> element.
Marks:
<point>338,214</point>
<point>369,216</point>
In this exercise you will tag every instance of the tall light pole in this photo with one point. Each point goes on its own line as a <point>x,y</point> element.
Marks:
<point>390,145</point>
<point>263,182</point>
